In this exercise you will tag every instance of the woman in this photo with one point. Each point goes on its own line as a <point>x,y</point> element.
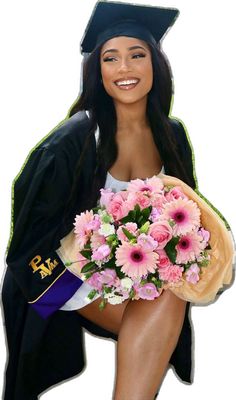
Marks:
<point>131,104</point>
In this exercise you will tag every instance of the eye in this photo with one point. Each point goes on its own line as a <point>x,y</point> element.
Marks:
<point>138,55</point>
<point>107,59</point>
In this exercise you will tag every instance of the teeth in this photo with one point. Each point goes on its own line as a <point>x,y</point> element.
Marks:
<point>128,82</point>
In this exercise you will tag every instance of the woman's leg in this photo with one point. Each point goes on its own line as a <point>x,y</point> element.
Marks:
<point>148,336</point>
<point>148,332</point>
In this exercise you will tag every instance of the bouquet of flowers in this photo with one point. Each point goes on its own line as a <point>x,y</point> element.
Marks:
<point>144,239</point>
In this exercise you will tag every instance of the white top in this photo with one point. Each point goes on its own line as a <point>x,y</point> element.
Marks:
<point>80,299</point>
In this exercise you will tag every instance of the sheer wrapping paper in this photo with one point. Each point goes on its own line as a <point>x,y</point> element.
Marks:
<point>219,271</point>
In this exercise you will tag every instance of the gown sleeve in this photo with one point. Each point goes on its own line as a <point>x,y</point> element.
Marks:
<point>40,194</point>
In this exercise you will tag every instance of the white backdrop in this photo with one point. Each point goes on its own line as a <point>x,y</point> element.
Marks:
<point>40,80</point>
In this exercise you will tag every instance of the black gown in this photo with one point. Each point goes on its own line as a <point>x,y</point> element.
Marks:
<point>45,344</point>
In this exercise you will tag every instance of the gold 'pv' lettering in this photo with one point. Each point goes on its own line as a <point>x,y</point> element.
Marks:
<point>44,271</point>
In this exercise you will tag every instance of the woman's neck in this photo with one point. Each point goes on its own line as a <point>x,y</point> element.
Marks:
<point>131,117</point>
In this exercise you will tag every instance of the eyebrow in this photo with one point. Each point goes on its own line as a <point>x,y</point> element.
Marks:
<point>129,48</point>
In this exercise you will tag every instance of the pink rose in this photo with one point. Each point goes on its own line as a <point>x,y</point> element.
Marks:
<point>106,196</point>
<point>161,232</point>
<point>163,260</point>
<point>175,193</point>
<point>117,207</point>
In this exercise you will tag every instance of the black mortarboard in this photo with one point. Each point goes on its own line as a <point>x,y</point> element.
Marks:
<point>110,19</point>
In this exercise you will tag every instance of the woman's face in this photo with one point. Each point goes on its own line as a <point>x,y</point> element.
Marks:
<point>126,68</point>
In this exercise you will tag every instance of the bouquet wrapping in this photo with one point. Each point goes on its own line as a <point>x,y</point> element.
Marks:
<point>157,234</point>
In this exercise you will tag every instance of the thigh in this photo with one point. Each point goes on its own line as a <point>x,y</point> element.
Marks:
<point>109,318</point>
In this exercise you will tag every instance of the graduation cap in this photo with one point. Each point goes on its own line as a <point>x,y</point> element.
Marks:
<point>111,19</point>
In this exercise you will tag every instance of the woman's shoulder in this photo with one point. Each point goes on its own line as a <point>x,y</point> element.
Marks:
<point>71,132</point>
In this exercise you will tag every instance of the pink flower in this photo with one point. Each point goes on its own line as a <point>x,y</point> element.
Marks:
<point>94,224</point>
<point>106,197</point>
<point>175,193</point>
<point>97,240</point>
<point>189,247</point>
<point>139,198</point>
<point>163,260</point>
<point>135,262</point>
<point>82,261</point>
<point>147,242</point>
<point>108,277</point>
<point>158,201</point>
<point>95,281</point>
<point>153,184</point>
<point>82,230</point>
<point>205,235</point>
<point>117,207</point>
<point>192,274</point>
<point>171,273</point>
<point>155,213</point>
<point>101,253</point>
<point>148,291</point>
<point>185,213</point>
<point>161,232</point>
<point>130,226</point>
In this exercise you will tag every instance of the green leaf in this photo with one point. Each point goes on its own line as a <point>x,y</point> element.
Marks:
<point>92,294</point>
<point>129,235</point>
<point>146,212</point>
<point>171,250</point>
<point>88,267</point>
<point>144,228</point>
<point>102,304</point>
<point>86,253</point>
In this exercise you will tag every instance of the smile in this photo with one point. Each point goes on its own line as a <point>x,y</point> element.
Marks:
<point>127,83</point>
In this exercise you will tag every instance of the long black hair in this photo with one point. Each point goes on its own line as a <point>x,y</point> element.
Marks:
<point>102,113</point>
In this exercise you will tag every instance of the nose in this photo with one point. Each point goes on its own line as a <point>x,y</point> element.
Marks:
<point>124,65</point>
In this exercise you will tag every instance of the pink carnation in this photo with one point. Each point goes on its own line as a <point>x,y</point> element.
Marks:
<point>161,232</point>
<point>175,193</point>
<point>139,198</point>
<point>171,273</point>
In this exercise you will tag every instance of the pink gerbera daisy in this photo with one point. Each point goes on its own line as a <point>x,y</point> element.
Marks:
<point>189,247</point>
<point>153,184</point>
<point>185,214</point>
<point>135,261</point>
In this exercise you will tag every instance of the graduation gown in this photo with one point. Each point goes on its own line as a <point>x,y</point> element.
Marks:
<point>45,345</point>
